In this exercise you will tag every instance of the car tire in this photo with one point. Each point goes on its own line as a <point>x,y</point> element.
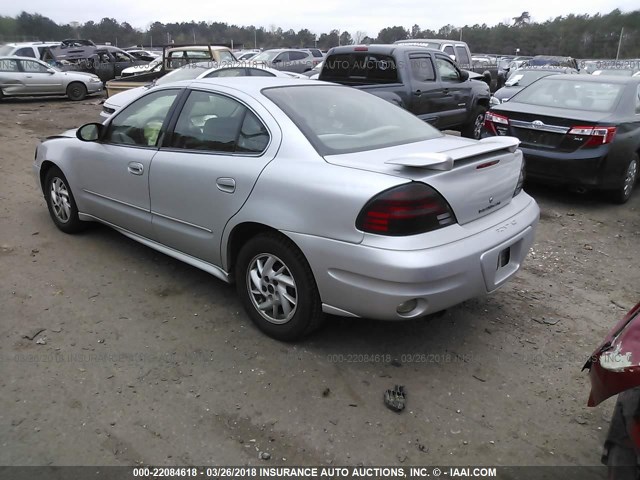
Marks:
<point>623,193</point>
<point>271,269</point>
<point>60,201</point>
<point>76,91</point>
<point>474,128</point>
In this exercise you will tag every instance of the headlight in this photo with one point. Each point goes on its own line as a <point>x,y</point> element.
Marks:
<point>494,101</point>
<point>95,79</point>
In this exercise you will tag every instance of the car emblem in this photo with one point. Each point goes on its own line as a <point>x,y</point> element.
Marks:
<point>537,123</point>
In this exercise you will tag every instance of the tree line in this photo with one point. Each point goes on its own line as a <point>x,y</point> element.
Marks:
<point>579,36</point>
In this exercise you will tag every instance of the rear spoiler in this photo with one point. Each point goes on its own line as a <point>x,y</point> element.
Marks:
<point>445,160</point>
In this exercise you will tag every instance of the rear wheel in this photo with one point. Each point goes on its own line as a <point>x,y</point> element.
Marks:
<point>76,91</point>
<point>474,128</point>
<point>623,193</point>
<point>277,288</point>
<point>60,201</point>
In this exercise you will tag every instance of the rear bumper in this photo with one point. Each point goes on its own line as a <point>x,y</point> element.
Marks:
<point>582,167</point>
<point>363,281</point>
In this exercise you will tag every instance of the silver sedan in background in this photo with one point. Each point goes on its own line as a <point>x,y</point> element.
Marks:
<point>22,76</point>
<point>312,197</point>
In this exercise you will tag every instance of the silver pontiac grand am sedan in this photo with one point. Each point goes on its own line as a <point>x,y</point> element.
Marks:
<point>312,197</point>
<point>27,77</point>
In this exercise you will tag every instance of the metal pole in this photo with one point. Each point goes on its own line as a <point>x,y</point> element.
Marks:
<point>620,42</point>
<point>255,39</point>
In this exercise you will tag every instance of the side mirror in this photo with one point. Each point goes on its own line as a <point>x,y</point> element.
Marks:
<point>276,60</point>
<point>51,71</point>
<point>464,75</point>
<point>89,132</point>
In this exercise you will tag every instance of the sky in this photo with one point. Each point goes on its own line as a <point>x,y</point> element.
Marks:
<point>367,16</point>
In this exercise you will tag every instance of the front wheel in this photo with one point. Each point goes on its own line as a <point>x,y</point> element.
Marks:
<point>60,201</point>
<point>623,193</point>
<point>277,288</point>
<point>474,128</point>
<point>76,91</point>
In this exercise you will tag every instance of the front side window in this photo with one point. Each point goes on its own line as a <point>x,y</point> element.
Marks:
<point>226,56</point>
<point>219,124</point>
<point>7,65</point>
<point>140,123</point>
<point>449,50</point>
<point>33,67</point>
<point>25,52</point>
<point>283,57</point>
<point>121,57</point>
<point>447,70</point>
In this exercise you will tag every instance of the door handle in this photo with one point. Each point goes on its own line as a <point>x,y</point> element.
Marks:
<point>226,184</point>
<point>445,91</point>
<point>135,168</point>
<point>417,93</point>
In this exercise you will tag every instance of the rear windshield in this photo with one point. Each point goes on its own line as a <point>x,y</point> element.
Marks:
<point>571,94</point>
<point>360,68</point>
<point>188,72</point>
<point>522,78</point>
<point>339,119</point>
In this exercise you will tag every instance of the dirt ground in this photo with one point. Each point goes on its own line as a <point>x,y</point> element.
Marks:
<point>143,359</point>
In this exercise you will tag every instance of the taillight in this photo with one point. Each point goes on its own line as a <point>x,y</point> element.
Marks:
<point>409,209</point>
<point>521,179</point>
<point>597,135</point>
<point>490,119</point>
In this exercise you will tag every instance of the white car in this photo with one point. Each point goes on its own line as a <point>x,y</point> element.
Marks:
<point>192,71</point>
<point>138,69</point>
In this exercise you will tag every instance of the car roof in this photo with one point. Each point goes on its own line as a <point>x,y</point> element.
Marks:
<point>198,48</point>
<point>15,57</point>
<point>251,85</point>
<point>592,79</point>
<point>429,40</point>
<point>383,48</point>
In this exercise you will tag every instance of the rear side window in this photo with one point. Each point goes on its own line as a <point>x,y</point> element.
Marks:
<point>25,52</point>
<point>461,55</point>
<point>8,65</point>
<point>217,123</point>
<point>360,68</point>
<point>421,68</point>
<point>449,50</point>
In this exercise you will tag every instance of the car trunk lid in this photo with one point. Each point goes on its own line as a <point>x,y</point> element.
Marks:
<point>547,128</point>
<point>476,178</point>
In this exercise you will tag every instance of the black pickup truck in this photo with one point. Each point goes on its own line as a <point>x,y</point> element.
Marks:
<point>424,81</point>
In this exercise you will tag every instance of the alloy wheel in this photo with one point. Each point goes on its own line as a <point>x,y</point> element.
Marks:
<point>272,288</point>
<point>59,195</point>
<point>630,178</point>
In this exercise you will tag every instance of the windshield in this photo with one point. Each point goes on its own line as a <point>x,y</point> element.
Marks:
<point>265,56</point>
<point>188,72</point>
<point>5,50</point>
<point>338,119</point>
<point>527,77</point>
<point>571,94</point>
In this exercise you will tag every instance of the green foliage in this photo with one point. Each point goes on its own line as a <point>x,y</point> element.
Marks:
<point>580,36</point>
